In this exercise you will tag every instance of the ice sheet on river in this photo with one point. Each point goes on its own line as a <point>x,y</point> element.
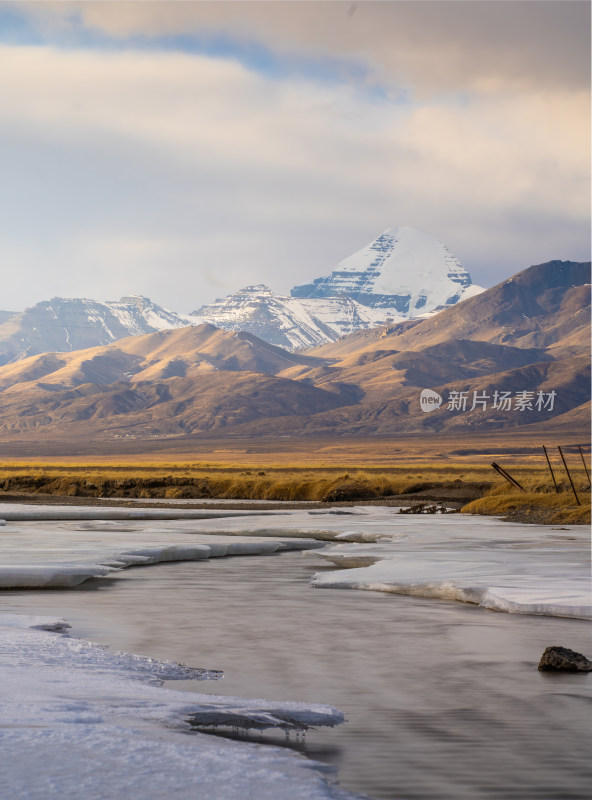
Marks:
<point>510,567</point>
<point>78,721</point>
<point>522,569</point>
<point>52,555</point>
<point>530,569</point>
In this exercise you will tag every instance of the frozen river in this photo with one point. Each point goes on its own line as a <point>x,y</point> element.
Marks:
<point>442,698</point>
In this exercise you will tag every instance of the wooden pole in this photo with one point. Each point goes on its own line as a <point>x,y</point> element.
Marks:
<point>507,476</point>
<point>573,488</point>
<point>585,467</point>
<point>551,469</point>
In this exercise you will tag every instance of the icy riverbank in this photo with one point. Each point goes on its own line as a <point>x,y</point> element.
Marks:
<point>67,701</point>
<point>78,721</point>
<point>513,568</point>
<point>29,512</point>
<point>44,555</point>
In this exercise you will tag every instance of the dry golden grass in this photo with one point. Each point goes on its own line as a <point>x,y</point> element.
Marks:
<point>280,485</point>
<point>573,515</point>
<point>301,481</point>
<point>229,482</point>
<point>544,506</point>
<point>399,477</point>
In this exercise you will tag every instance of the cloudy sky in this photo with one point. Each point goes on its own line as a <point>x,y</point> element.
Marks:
<point>183,150</point>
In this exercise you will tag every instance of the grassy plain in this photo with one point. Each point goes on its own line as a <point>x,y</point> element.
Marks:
<point>436,449</point>
<point>456,470</point>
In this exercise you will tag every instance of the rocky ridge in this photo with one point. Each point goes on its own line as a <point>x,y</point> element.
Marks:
<point>289,322</point>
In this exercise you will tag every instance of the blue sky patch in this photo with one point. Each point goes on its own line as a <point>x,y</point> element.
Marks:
<point>18,28</point>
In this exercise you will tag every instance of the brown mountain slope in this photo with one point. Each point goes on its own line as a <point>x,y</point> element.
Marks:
<point>224,350</point>
<point>167,383</point>
<point>578,419</point>
<point>359,340</point>
<point>377,374</point>
<point>547,305</point>
<point>155,356</point>
<point>401,413</point>
<point>173,406</point>
<point>541,314</point>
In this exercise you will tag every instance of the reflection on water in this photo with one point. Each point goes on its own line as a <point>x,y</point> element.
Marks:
<point>443,700</point>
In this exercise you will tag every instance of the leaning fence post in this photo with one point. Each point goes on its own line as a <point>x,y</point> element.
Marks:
<point>507,476</point>
<point>585,467</point>
<point>551,469</point>
<point>573,488</point>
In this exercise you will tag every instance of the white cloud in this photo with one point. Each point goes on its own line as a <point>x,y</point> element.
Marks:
<point>433,44</point>
<point>185,177</point>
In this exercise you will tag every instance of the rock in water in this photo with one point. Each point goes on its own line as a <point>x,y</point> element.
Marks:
<point>560,659</point>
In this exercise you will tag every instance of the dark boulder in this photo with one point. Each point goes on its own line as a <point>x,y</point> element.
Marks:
<point>560,659</point>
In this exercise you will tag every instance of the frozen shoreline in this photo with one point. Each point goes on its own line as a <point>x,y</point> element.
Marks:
<point>65,699</point>
<point>68,573</point>
<point>518,578</point>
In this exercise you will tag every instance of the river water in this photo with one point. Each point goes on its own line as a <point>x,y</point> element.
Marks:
<point>443,699</point>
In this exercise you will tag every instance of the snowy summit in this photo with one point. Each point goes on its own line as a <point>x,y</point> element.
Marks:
<point>404,269</point>
<point>403,273</point>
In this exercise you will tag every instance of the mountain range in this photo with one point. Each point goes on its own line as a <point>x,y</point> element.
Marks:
<point>401,274</point>
<point>527,337</point>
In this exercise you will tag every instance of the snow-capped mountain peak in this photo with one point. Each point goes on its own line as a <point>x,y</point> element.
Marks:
<point>403,267</point>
